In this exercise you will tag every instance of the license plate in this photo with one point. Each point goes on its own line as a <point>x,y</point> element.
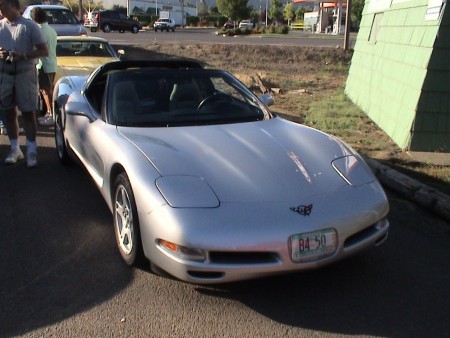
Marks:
<point>312,246</point>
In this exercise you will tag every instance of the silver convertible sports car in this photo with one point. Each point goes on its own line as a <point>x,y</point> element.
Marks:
<point>208,184</point>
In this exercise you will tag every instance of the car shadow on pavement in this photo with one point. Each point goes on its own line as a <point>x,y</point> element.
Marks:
<point>58,254</point>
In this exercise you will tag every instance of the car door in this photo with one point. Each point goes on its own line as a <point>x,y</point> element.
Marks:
<point>115,20</point>
<point>124,22</point>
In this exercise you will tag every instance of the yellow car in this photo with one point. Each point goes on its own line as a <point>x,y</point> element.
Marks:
<point>80,55</point>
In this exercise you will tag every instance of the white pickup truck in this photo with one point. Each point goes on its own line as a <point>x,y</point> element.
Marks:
<point>164,24</point>
<point>246,24</point>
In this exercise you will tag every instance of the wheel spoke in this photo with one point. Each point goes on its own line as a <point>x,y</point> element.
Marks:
<point>124,220</point>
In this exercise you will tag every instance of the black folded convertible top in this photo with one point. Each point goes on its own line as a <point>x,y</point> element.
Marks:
<point>172,64</point>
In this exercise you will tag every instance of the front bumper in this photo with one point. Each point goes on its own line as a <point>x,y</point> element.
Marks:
<point>249,240</point>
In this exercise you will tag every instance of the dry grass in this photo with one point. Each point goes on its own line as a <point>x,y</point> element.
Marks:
<point>311,81</point>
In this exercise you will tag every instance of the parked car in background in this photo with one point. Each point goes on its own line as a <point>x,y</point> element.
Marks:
<point>246,24</point>
<point>164,24</point>
<point>109,20</point>
<point>204,181</point>
<point>230,24</point>
<point>80,55</point>
<point>61,18</point>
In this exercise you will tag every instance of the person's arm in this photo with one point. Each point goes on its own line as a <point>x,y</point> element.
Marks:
<point>40,51</point>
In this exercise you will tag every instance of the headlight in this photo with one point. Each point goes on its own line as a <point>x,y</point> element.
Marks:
<point>187,192</point>
<point>354,171</point>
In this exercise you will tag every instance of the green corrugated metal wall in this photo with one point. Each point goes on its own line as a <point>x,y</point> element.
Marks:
<point>400,73</point>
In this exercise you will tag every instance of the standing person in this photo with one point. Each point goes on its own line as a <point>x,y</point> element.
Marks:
<point>48,68</point>
<point>21,44</point>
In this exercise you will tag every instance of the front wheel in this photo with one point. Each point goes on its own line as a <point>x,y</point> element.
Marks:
<point>60,141</point>
<point>107,28</point>
<point>135,29</point>
<point>126,222</point>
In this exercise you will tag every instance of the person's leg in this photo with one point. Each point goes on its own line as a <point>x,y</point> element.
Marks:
<point>27,90</point>
<point>29,125</point>
<point>46,90</point>
<point>12,127</point>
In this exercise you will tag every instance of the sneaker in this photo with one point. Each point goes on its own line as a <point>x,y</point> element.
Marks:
<point>46,121</point>
<point>14,156</point>
<point>43,117</point>
<point>3,129</point>
<point>32,159</point>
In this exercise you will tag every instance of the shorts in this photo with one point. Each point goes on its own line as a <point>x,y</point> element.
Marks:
<point>19,89</point>
<point>46,80</point>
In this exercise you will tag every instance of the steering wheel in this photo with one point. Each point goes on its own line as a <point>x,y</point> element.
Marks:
<point>216,97</point>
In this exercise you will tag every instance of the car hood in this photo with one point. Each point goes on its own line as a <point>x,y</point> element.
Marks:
<point>81,65</point>
<point>272,160</point>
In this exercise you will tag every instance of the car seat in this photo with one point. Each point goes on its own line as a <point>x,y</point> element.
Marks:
<point>184,95</point>
<point>125,101</point>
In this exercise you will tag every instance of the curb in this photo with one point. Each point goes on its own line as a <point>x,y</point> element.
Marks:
<point>412,189</point>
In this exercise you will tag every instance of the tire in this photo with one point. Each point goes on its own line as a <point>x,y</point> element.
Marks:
<point>126,222</point>
<point>167,29</point>
<point>156,29</point>
<point>135,29</point>
<point>106,28</point>
<point>173,29</point>
<point>60,141</point>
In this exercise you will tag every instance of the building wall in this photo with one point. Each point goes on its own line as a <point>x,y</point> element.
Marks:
<point>400,71</point>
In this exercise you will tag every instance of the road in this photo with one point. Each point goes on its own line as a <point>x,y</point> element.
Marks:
<point>208,35</point>
<point>61,275</point>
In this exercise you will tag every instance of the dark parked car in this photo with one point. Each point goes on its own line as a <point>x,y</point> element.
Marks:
<point>108,20</point>
<point>230,24</point>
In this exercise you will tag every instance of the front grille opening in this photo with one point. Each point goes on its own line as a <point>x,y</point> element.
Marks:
<point>360,236</point>
<point>222,257</point>
<point>206,275</point>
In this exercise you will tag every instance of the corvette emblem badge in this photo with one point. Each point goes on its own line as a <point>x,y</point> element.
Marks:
<point>304,210</point>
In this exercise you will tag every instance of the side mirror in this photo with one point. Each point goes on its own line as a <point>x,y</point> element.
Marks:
<point>80,109</point>
<point>267,99</point>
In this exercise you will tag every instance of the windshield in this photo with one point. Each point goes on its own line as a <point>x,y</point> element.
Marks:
<point>84,48</point>
<point>60,16</point>
<point>174,97</point>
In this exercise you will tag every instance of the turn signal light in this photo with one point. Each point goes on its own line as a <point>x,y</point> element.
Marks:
<point>182,252</point>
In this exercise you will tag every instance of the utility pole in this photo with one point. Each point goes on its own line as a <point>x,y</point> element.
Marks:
<point>80,10</point>
<point>347,24</point>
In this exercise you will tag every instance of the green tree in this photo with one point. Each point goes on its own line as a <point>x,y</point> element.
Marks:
<point>275,12</point>
<point>234,9</point>
<point>300,13</point>
<point>356,12</point>
<point>289,12</point>
<point>202,9</point>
